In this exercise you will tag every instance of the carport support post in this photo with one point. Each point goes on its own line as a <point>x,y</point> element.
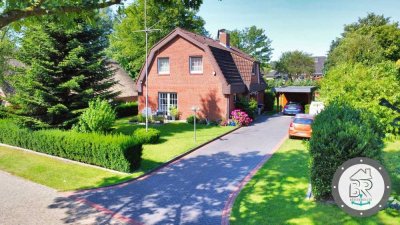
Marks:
<point>277,102</point>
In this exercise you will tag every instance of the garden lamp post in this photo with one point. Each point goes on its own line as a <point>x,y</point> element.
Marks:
<point>195,109</point>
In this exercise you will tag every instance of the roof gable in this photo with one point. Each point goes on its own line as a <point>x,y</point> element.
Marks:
<point>224,59</point>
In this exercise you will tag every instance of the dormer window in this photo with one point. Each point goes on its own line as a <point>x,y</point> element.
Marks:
<point>196,64</point>
<point>163,65</point>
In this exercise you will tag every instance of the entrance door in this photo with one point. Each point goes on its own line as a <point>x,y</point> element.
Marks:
<point>166,100</point>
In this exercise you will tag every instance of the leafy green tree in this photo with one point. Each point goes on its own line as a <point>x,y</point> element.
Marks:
<point>16,10</point>
<point>384,33</point>
<point>7,49</point>
<point>65,67</point>
<point>127,46</point>
<point>356,48</point>
<point>295,64</point>
<point>363,86</point>
<point>253,41</point>
<point>99,117</point>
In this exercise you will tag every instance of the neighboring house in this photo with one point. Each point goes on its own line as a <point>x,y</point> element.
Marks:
<point>319,62</point>
<point>126,85</point>
<point>186,70</point>
<point>6,89</point>
<point>319,66</point>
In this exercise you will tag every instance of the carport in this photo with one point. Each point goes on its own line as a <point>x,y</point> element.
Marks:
<point>301,94</point>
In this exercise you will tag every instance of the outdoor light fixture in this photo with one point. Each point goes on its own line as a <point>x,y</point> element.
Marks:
<point>195,109</point>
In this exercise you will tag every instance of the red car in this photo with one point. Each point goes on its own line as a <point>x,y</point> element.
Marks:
<point>301,126</point>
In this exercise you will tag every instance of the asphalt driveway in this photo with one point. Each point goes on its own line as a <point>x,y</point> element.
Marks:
<point>193,190</point>
<point>23,202</point>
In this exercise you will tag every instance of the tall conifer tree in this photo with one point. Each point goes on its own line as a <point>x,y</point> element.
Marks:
<point>65,67</point>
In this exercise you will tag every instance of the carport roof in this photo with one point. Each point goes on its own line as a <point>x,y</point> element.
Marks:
<point>295,89</point>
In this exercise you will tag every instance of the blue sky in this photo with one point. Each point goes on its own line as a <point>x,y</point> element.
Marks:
<point>307,25</point>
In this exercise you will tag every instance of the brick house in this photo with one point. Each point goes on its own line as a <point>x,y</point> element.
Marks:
<point>186,70</point>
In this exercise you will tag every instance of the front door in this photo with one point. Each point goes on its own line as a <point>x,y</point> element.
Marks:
<point>166,100</point>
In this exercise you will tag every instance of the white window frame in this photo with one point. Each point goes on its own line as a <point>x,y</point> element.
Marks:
<point>158,66</point>
<point>190,65</point>
<point>170,97</point>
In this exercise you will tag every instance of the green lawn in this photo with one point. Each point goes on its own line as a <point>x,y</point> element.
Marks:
<point>176,139</point>
<point>55,173</point>
<point>276,194</point>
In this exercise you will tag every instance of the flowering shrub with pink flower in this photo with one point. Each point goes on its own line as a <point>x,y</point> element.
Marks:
<point>240,117</point>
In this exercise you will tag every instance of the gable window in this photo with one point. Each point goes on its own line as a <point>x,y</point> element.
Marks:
<point>166,101</point>
<point>163,65</point>
<point>196,64</point>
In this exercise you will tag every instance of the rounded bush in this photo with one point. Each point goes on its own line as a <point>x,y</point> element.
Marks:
<point>152,136</point>
<point>99,118</point>
<point>340,133</point>
<point>190,119</point>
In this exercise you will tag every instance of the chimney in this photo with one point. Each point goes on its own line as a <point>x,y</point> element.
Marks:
<point>223,37</point>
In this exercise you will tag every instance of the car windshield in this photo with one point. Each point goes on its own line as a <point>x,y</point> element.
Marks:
<point>303,121</point>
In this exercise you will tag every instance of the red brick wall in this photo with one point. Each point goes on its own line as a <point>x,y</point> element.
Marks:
<point>202,90</point>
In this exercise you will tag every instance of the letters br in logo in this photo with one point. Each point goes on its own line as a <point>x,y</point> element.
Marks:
<point>361,187</point>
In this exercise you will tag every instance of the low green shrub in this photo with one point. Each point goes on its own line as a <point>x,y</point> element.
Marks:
<point>127,109</point>
<point>152,136</point>
<point>117,152</point>
<point>190,119</point>
<point>159,119</point>
<point>174,112</point>
<point>307,109</point>
<point>134,119</point>
<point>141,118</point>
<point>248,106</point>
<point>99,118</point>
<point>340,133</point>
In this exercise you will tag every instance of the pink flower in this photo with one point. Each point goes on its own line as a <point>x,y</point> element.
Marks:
<point>241,118</point>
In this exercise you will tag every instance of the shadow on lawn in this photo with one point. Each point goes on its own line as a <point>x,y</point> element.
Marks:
<point>277,195</point>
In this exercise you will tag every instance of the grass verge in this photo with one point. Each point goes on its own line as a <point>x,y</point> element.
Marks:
<point>276,194</point>
<point>58,174</point>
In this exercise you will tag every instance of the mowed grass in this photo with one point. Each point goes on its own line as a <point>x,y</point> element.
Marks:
<point>176,139</point>
<point>58,174</point>
<point>277,193</point>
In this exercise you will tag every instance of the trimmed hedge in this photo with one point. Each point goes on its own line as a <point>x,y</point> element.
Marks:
<point>127,109</point>
<point>117,152</point>
<point>152,136</point>
<point>340,133</point>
